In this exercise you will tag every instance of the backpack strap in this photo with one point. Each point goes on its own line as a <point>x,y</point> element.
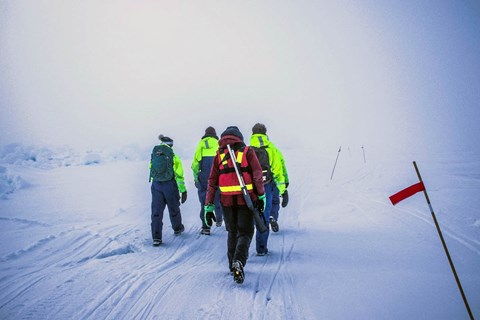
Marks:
<point>262,143</point>
<point>225,155</point>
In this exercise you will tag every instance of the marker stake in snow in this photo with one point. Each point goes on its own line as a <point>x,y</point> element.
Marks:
<point>340,149</point>
<point>407,192</point>
<point>444,244</point>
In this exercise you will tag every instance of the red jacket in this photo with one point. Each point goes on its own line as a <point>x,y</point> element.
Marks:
<point>252,176</point>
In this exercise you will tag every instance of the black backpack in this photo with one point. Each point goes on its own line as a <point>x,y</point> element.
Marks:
<point>264,160</point>
<point>162,163</point>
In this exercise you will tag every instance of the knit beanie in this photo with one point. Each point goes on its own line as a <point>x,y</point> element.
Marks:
<point>166,140</point>
<point>210,131</point>
<point>259,128</point>
<point>232,130</point>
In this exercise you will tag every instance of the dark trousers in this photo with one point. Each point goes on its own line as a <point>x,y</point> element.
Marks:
<point>275,203</point>
<point>261,238</point>
<point>165,194</point>
<point>239,224</point>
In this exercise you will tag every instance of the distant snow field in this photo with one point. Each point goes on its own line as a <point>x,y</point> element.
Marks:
<point>75,242</point>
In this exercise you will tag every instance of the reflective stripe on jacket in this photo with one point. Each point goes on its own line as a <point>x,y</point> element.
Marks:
<point>228,180</point>
<point>255,171</point>
<point>203,158</point>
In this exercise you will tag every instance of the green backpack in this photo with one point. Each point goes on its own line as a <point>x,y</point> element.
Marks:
<point>161,168</point>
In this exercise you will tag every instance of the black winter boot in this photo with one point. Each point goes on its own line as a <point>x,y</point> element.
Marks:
<point>238,274</point>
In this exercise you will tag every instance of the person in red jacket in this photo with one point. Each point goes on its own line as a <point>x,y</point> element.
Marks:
<point>237,216</point>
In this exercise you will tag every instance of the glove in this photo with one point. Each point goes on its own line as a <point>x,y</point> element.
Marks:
<point>209,214</point>
<point>197,184</point>
<point>284,199</point>
<point>286,185</point>
<point>261,203</point>
<point>184,196</point>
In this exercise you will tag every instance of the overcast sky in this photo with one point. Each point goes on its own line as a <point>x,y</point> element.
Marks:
<point>386,74</point>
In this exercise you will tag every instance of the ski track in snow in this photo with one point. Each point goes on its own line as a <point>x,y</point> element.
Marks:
<point>139,281</point>
<point>273,270</point>
<point>25,222</point>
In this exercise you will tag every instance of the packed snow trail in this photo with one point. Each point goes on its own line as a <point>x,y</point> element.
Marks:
<point>76,244</point>
<point>102,264</point>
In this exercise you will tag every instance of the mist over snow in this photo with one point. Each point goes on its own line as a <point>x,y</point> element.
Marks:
<point>392,76</point>
<point>86,88</point>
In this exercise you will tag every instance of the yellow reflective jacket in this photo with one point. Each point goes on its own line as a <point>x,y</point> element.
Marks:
<point>275,158</point>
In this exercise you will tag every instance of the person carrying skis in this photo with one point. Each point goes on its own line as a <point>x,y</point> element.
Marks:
<point>238,217</point>
<point>273,178</point>
<point>201,166</point>
<point>166,175</point>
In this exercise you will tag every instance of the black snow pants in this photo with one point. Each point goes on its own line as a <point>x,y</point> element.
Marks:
<point>239,224</point>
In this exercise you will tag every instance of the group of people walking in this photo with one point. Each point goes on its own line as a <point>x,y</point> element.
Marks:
<point>219,174</point>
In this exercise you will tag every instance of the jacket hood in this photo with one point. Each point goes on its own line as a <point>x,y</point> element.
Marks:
<point>233,141</point>
<point>259,140</point>
<point>208,135</point>
<point>232,130</point>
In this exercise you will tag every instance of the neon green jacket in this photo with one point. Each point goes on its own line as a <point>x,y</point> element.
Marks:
<point>206,148</point>
<point>284,167</point>
<point>178,170</point>
<point>275,158</point>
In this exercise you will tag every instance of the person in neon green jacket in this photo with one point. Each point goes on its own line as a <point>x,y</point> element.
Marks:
<point>284,167</point>
<point>276,194</point>
<point>201,165</point>
<point>166,175</point>
<point>271,160</point>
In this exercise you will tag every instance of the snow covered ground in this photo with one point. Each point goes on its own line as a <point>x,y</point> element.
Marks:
<point>75,242</point>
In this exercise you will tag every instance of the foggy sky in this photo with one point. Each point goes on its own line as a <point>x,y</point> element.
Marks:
<point>386,74</point>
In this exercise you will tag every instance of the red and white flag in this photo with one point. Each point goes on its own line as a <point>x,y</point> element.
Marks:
<point>407,192</point>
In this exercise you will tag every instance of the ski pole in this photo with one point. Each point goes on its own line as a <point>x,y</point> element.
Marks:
<point>256,214</point>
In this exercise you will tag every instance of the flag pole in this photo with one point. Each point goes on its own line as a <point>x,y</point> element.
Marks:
<point>340,149</point>
<point>444,244</point>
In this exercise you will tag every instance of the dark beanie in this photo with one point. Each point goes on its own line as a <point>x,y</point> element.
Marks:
<point>259,128</point>
<point>210,131</point>
<point>232,130</point>
<point>166,140</point>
